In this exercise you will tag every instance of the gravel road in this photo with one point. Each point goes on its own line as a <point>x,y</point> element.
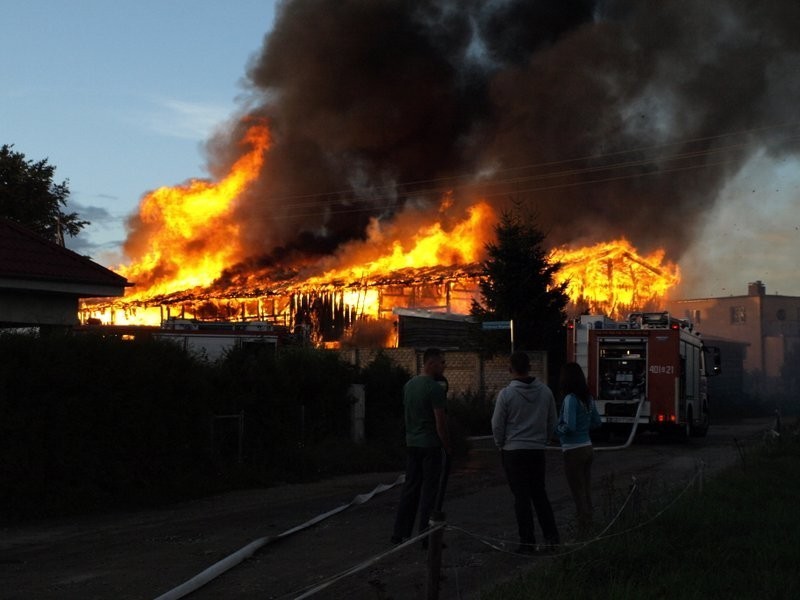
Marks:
<point>146,554</point>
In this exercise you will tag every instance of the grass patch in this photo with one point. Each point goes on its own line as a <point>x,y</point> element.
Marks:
<point>736,539</point>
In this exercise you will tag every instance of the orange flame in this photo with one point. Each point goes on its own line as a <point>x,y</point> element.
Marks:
<point>190,232</point>
<point>189,235</point>
<point>428,245</point>
<point>407,245</point>
<point>611,278</point>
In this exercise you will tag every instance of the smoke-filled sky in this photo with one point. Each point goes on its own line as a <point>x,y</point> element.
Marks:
<point>670,123</point>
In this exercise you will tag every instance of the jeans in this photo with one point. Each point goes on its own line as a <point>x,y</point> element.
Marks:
<point>525,471</point>
<point>423,472</point>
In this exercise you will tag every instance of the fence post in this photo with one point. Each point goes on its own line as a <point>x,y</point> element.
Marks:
<point>434,556</point>
<point>357,412</point>
<point>435,538</point>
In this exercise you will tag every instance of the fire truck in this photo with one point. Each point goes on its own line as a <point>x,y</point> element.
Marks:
<point>650,370</point>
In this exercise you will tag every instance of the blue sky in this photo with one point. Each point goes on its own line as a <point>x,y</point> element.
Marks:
<point>120,98</point>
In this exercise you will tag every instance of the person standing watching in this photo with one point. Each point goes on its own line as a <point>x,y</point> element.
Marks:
<point>427,437</point>
<point>524,418</point>
<point>578,416</point>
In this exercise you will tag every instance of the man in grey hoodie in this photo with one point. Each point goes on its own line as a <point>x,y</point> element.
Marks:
<point>523,422</point>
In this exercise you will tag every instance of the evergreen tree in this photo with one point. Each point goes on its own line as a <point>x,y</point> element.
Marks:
<point>518,284</point>
<point>29,196</point>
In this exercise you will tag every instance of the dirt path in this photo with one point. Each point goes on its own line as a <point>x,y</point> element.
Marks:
<point>146,554</point>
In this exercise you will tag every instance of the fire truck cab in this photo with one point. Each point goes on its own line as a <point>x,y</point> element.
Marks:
<point>651,365</point>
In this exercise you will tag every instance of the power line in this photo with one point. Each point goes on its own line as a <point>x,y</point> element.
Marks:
<point>518,190</point>
<point>469,181</point>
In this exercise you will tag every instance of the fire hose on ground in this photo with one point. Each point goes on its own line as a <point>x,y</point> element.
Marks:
<point>627,443</point>
<point>633,431</point>
<point>247,551</point>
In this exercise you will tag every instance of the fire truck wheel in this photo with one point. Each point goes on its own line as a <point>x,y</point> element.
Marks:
<point>685,430</point>
<point>702,428</point>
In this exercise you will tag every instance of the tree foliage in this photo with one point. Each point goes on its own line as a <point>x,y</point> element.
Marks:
<point>518,284</point>
<point>29,196</point>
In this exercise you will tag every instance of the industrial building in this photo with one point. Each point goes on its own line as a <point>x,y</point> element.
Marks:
<point>768,326</point>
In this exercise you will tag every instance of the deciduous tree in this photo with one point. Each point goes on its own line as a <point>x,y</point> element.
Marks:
<point>29,196</point>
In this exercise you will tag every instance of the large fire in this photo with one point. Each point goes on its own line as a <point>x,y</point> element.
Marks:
<point>190,233</point>
<point>611,278</point>
<point>430,245</point>
<point>408,247</point>
<point>188,236</point>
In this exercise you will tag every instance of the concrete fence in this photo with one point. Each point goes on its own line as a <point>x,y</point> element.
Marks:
<point>466,372</point>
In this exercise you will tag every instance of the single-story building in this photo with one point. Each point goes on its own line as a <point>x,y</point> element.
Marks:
<point>41,281</point>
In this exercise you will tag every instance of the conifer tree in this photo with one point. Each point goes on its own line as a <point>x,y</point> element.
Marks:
<point>518,284</point>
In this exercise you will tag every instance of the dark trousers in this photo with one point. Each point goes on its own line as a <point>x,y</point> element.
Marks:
<point>578,469</point>
<point>423,471</point>
<point>525,470</point>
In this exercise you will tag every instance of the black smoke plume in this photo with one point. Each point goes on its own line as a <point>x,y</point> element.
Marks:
<point>615,118</point>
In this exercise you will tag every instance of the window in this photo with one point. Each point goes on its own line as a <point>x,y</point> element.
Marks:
<point>781,314</point>
<point>738,314</point>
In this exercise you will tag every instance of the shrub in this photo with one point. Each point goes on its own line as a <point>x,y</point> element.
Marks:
<point>473,411</point>
<point>97,417</point>
<point>290,399</point>
<point>91,422</point>
<point>383,383</point>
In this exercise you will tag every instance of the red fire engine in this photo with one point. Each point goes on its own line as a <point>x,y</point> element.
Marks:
<point>651,368</point>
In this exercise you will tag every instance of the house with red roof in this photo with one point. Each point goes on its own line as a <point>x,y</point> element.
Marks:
<point>42,282</point>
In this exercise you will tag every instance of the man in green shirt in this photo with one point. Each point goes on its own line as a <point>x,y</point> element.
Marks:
<point>427,438</point>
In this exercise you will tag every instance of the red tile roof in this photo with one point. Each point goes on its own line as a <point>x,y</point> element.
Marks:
<point>26,255</point>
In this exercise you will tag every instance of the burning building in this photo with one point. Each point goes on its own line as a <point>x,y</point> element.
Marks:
<point>379,141</point>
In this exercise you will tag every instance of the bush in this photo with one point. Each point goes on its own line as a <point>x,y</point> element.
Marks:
<point>93,417</point>
<point>473,411</point>
<point>290,399</point>
<point>89,422</point>
<point>383,383</point>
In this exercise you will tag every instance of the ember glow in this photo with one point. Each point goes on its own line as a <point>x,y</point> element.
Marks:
<point>187,235</point>
<point>611,278</point>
